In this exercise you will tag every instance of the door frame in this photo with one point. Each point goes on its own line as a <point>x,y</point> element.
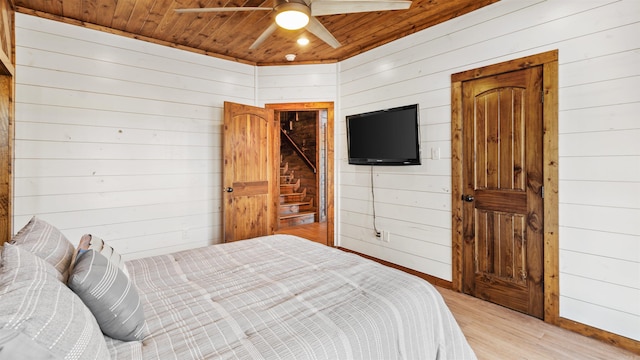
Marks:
<point>329,146</point>
<point>549,62</point>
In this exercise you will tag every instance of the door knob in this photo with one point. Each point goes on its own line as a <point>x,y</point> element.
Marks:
<point>228,189</point>
<point>467,198</point>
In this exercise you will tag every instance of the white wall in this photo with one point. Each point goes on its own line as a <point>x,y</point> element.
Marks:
<point>293,84</point>
<point>119,137</point>
<point>599,150</point>
<point>122,138</point>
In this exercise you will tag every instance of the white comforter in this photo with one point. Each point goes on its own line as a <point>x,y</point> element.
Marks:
<point>283,297</point>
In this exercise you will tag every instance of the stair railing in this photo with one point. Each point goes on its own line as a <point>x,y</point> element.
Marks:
<point>298,150</point>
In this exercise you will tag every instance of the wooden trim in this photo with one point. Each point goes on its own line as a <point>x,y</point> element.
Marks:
<point>6,67</point>
<point>550,183</point>
<point>457,186</point>
<point>330,189</point>
<point>7,33</point>
<point>7,118</point>
<point>511,65</point>
<point>431,279</point>
<point>7,133</point>
<point>599,334</point>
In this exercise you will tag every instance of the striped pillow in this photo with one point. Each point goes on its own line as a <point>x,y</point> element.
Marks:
<point>110,295</point>
<point>36,307</point>
<point>93,242</point>
<point>48,243</point>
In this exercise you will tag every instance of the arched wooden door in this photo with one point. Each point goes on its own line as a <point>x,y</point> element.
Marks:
<point>502,189</point>
<point>250,187</point>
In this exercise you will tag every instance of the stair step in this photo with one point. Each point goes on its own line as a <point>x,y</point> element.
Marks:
<point>298,219</point>
<point>295,207</point>
<point>290,187</point>
<point>292,197</point>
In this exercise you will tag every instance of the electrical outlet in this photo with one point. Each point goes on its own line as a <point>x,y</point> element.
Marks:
<point>378,234</point>
<point>386,236</point>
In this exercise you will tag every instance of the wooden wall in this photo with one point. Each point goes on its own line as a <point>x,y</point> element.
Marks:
<point>598,147</point>
<point>120,137</point>
<point>7,72</point>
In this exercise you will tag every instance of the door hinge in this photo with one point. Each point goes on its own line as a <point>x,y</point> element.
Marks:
<point>542,191</point>
<point>542,96</point>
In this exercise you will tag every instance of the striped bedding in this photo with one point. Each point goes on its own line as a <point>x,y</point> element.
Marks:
<point>284,297</point>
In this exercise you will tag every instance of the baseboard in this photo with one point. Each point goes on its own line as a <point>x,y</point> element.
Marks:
<point>431,279</point>
<point>599,334</point>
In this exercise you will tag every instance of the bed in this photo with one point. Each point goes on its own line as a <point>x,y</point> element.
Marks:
<point>273,297</point>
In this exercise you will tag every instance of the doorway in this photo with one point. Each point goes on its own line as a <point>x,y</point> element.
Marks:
<point>473,208</point>
<point>306,170</point>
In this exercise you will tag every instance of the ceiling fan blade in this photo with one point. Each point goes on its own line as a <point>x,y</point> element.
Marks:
<point>265,34</point>
<point>333,7</point>
<point>317,29</point>
<point>196,10</point>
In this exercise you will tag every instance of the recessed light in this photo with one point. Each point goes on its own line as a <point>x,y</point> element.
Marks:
<point>303,41</point>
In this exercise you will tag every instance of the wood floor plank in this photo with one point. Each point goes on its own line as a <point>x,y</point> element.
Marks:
<point>496,333</point>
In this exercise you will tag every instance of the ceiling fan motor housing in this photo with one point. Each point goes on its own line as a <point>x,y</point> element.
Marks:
<point>292,15</point>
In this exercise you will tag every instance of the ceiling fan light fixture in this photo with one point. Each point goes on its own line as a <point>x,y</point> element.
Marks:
<point>292,16</point>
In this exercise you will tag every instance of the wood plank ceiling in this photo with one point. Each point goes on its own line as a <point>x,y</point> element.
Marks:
<point>229,35</point>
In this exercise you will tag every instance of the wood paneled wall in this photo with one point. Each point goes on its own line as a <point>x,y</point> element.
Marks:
<point>7,72</point>
<point>120,137</point>
<point>599,176</point>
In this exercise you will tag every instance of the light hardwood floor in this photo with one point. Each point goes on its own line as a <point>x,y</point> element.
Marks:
<point>316,232</point>
<point>495,333</point>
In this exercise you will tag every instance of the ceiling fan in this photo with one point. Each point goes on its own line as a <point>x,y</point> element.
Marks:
<point>298,14</point>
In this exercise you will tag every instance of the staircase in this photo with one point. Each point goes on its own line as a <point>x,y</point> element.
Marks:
<point>295,207</point>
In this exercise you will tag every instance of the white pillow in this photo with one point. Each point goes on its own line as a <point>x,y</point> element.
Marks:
<point>47,242</point>
<point>36,307</point>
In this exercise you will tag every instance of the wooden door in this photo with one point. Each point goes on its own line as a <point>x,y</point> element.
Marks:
<point>250,180</point>
<point>502,182</point>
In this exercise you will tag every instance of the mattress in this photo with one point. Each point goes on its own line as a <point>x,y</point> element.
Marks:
<point>284,297</point>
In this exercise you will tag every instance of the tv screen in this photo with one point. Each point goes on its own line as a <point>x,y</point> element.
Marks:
<point>384,137</point>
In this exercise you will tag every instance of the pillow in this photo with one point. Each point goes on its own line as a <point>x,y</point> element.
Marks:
<point>93,242</point>
<point>39,310</point>
<point>16,345</point>
<point>110,295</point>
<point>46,242</point>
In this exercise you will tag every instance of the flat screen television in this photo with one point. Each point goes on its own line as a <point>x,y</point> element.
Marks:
<point>384,137</point>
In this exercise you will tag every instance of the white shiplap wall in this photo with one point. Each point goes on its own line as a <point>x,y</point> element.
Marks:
<point>599,150</point>
<point>296,84</point>
<point>119,137</point>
